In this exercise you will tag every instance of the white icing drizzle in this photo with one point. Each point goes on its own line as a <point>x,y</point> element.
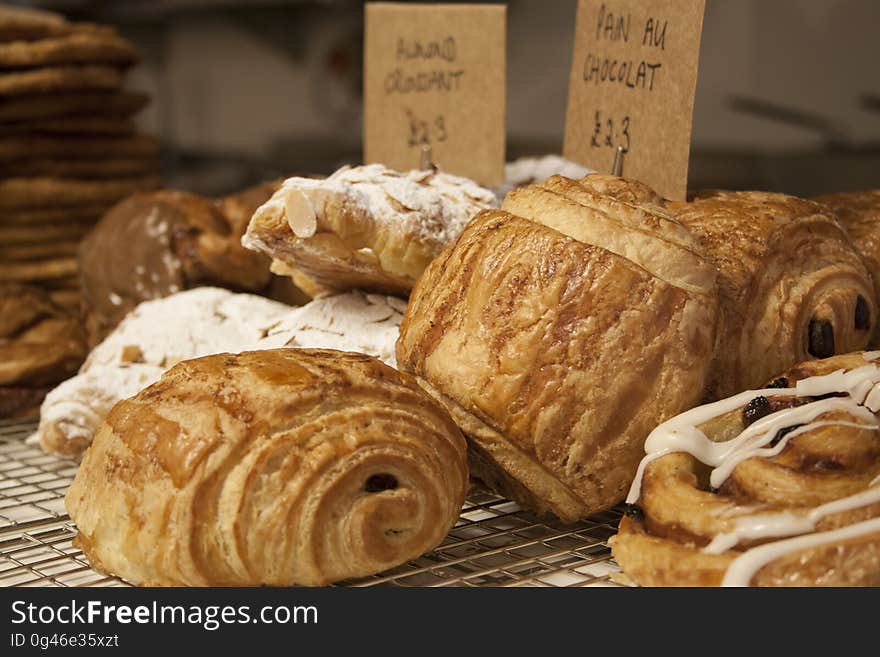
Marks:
<point>744,567</point>
<point>788,523</point>
<point>682,434</point>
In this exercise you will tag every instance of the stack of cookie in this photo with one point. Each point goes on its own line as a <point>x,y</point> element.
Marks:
<point>68,147</point>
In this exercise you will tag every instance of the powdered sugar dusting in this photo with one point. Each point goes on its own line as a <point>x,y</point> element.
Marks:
<point>528,170</point>
<point>430,206</point>
<point>157,334</point>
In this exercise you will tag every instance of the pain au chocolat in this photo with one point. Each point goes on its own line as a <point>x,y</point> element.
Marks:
<point>558,332</point>
<point>859,212</point>
<point>792,284</point>
<point>276,467</point>
<point>772,487</point>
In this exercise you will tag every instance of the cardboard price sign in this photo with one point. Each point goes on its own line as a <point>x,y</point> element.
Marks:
<point>633,76</point>
<point>435,75</point>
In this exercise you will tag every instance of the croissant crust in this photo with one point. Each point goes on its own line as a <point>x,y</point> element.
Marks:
<point>275,467</point>
<point>555,357</point>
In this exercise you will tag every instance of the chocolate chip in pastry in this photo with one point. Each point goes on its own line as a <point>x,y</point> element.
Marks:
<point>557,342</point>
<point>365,227</point>
<point>792,284</point>
<point>277,467</point>
<point>859,212</point>
<point>790,497</point>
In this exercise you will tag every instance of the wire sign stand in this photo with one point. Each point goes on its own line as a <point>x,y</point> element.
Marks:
<point>494,543</point>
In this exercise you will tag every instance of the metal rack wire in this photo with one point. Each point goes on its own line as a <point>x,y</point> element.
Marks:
<point>494,543</point>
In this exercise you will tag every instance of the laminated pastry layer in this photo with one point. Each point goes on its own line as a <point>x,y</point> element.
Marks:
<point>278,467</point>
<point>791,282</point>
<point>555,356</point>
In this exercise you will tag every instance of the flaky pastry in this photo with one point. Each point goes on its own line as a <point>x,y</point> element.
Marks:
<point>276,467</point>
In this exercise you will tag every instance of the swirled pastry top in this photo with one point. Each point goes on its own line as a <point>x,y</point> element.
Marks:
<point>773,486</point>
<point>279,467</point>
<point>757,222</point>
<point>365,226</point>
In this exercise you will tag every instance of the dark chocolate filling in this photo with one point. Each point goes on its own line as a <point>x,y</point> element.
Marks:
<point>821,338</point>
<point>378,482</point>
<point>863,314</point>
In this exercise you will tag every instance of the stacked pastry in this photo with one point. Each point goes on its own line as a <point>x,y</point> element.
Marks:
<point>41,344</point>
<point>68,146</point>
<point>772,487</point>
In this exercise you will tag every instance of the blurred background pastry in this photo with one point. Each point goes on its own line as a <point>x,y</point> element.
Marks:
<point>68,146</point>
<point>154,244</point>
<point>41,344</point>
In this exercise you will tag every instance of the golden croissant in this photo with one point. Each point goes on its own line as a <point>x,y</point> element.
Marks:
<point>558,333</point>
<point>365,227</point>
<point>773,487</point>
<point>859,212</point>
<point>275,467</point>
<point>791,283</point>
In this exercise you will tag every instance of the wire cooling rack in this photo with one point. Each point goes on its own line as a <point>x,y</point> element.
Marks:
<point>494,543</point>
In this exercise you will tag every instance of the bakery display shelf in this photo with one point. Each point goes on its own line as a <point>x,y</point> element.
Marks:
<point>495,543</point>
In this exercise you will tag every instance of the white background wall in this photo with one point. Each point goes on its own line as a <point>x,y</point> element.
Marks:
<point>245,83</point>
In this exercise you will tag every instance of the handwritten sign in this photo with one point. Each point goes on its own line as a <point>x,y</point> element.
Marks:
<point>632,84</point>
<point>435,75</point>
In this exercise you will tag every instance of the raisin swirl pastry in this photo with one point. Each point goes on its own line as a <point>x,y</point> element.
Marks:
<point>365,227</point>
<point>772,487</point>
<point>275,467</point>
<point>557,332</point>
<point>792,285</point>
<point>859,212</point>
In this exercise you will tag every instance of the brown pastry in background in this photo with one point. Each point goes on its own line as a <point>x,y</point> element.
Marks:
<point>41,344</point>
<point>791,283</point>
<point>557,333</point>
<point>859,212</point>
<point>154,244</point>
